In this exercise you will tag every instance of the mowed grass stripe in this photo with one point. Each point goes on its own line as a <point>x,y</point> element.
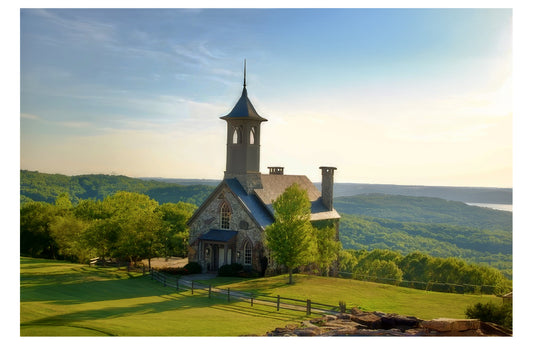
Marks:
<point>77,300</point>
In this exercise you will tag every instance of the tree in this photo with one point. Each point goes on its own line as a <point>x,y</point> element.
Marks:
<point>347,261</point>
<point>69,234</point>
<point>35,238</point>
<point>290,238</point>
<point>328,248</point>
<point>174,230</point>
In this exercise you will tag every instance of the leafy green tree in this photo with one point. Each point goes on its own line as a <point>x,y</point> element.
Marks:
<point>385,269</point>
<point>328,248</point>
<point>35,237</point>
<point>138,225</point>
<point>174,230</point>
<point>290,238</point>
<point>347,261</point>
<point>69,234</point>
<point>416,266</point>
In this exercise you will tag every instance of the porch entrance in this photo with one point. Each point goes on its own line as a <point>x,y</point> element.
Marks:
<point>218,248</point>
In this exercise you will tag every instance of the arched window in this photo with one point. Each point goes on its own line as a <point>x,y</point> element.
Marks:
<point>237,135</point>
<point>247,253</point>
<point>225,215</point>
<point>252,135</point>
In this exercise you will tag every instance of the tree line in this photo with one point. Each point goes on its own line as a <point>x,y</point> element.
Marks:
<point>385,265</point>
<point>125,225</point>
<point>36,186</point>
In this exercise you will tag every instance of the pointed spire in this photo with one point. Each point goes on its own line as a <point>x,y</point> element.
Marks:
<point>244,73</point>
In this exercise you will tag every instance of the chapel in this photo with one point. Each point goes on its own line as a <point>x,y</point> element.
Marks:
<point>228,227</point>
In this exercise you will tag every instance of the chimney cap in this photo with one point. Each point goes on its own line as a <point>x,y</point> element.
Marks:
<point>328,168</point>
<point>276,170</point>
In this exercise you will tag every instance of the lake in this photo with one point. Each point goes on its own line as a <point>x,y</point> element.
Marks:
<point>501,207</point>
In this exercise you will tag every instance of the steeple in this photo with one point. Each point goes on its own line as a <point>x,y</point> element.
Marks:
<point>243,142</point>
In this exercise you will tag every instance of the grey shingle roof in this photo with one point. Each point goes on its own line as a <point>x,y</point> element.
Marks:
<point>218,235</point>
<point>275,185</point>
<point>255,207</point>
<point>243,109</point>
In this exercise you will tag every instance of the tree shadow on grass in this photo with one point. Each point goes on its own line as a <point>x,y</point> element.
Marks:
<point>170,303</point>
<point>85,291</point>
<point>258,312</point>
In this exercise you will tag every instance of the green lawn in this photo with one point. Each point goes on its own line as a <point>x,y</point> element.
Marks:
<point>59,298</point>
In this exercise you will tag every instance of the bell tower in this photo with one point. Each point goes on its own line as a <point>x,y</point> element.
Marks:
<point>243,142</point>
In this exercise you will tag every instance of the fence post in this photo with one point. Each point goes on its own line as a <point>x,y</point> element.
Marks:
<point>251,300</point>
<point>209,290</point>
<point>278,304</point>
<point>164,281</point>
<point>144,270</point>
<point>228,294</point>
<point>152,273</point>
<point>178,284</point>
<point>192,287</point>
<point>308,309</point>
<point>342,307</point>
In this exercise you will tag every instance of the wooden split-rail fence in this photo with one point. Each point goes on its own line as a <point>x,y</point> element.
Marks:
<point>278,302</point>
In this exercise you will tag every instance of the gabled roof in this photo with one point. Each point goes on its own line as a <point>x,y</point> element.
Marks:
<point>250,203</point>
<point>275,185</point>
<point>255,207</point>
<point>259,204</point>
<point>243,109</point>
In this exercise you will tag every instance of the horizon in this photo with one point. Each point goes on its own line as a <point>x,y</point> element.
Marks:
<point>220,179</point>
<point>388,96</point>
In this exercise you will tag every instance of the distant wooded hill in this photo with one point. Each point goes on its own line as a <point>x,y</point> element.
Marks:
<point>434,226</point>
<point>47,187</point>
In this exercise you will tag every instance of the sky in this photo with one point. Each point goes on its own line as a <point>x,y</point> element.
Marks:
<point>393,96</point>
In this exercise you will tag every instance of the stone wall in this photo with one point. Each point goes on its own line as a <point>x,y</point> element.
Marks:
<point>209,218</point>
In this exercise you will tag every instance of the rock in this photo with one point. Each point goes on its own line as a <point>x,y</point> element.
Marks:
<point>330,317</point>
<point>490,328</point>
<point>307,332</point>
<point>356,311</point>
<point>399,321</point>
<point>415,332</point>
<point>447,325</point>
<point>368,319</point>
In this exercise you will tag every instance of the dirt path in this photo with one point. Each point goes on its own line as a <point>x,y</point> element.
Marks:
<point>173,261</point>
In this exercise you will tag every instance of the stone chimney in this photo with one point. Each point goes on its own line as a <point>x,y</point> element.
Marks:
<point>327,186</point>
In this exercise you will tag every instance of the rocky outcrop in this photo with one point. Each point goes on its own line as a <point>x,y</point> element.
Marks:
<point>382,324</point>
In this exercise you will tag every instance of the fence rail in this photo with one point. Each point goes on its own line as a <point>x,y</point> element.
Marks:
<point>278,301</point>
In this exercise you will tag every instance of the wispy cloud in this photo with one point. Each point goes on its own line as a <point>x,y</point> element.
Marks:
<point>79,28</point>
<point>29,116</point>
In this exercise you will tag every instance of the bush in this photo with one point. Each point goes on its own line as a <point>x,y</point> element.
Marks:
<point>193,268</point>
<point>231,270</point>
<point>175,270</point>
<point>501,314</point>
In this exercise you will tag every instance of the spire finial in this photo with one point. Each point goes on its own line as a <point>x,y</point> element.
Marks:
<point>244,73</point>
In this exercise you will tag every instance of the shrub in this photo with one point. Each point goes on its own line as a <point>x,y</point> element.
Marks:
<point>501,314</point>
<point>231,270</point>
<point>193,268</point>
<point>175,270</point>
